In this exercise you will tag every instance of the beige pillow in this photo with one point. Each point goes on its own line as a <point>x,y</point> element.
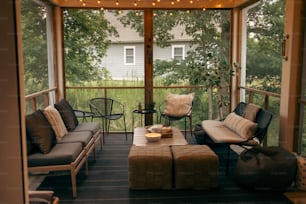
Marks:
<point>250,111</point>
<point>56,122</point>
<point>244,127</point>
<point>178,105</point>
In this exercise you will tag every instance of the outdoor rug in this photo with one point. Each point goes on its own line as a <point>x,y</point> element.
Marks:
<point>107,182</point>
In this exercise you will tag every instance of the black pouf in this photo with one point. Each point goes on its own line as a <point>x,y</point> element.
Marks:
<point>271,168</point>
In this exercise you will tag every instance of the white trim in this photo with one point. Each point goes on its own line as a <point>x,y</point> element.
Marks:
<point>125,55</point>
<point>244,37</point>
<point>178,46</point>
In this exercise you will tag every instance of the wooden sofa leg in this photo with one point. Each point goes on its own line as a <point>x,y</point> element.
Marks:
<point>73,183</point>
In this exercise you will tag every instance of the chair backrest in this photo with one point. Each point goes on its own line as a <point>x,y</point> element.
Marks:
<point>263,120</point>
<point>101,106</point>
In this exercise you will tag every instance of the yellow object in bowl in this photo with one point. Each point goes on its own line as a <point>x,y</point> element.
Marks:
<point>153,136</point>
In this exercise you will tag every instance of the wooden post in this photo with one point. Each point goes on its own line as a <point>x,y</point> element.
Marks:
<point>148,61</point>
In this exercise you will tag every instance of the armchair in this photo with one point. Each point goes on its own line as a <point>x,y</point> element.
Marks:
<point>247,125</point>
<point>177,107</point>
<point>107,109</point>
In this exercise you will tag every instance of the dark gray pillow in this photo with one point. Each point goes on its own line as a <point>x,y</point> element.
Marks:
<point>40,131</point>
<point>67,114</point>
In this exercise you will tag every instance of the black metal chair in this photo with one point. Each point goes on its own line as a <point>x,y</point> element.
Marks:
<point>172,117</point>
<point>107,109</point>
<point>263,119</point>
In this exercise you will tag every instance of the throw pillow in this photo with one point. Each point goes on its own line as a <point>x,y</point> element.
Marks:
<point>40,131</point>
<point>178,105</point>
<point>244,127</point>
<point>250,111</point>
<point>56,122</point>
<point>301,173</point>
<point>67,114</point>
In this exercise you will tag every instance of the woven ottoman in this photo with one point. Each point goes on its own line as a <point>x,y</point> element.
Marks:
<point>195,167</point>
<point>150,167</point>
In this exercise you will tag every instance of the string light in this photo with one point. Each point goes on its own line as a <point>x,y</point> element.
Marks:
<point>153,3</point>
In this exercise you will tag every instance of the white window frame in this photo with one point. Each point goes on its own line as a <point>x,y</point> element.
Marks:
<point>125,55</point>
<point>178,46</point>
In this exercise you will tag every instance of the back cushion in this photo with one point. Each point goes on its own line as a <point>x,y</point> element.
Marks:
<point>56,122</point>
<point>40,131</point>
<point>67,114</point>
<point>243,127</point>
<point>178,105</point>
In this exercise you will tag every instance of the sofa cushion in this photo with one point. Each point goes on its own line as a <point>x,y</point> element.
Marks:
<point>178,105</point>
<point>82,137</point>
<point>244,127</point>
<point>67,114</point>
<point>93,127</point>
<point>61,153</point>
<point>56,122</point>
<point>40,131</point>
<point>250,111</point>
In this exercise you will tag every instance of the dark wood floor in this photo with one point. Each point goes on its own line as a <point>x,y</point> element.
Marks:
<point>107,182</point>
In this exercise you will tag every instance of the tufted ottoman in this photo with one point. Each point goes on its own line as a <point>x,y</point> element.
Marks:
<point>150,167</point>
<point>195,166</point>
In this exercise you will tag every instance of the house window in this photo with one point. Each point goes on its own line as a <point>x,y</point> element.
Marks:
<point>129,55</point>
<point>178,52</point>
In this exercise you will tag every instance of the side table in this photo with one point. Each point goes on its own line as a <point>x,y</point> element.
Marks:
<point>83,114</point>
<point>141,113</point>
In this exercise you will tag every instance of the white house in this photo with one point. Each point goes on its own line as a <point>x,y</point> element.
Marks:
<point>125,56</point>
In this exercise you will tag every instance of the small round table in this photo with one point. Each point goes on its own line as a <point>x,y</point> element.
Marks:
<point>83,114</point>
<point>141,113</point>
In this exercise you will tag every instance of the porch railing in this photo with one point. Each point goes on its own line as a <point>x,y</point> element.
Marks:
<point>79,96</point>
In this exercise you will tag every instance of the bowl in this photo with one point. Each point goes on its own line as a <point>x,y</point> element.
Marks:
<point>156,128</point>
<point>153,137</point>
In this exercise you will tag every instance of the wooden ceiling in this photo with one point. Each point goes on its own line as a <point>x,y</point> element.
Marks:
<point>153,4</point>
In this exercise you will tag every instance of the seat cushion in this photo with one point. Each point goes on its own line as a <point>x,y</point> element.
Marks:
<point>40,132</point>
<point>219,133</point>
<point>67,114</point>
<point>82,137</point>
<point>93,127</point>
<point>62,153</point>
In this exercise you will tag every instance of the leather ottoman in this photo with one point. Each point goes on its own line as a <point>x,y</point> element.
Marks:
<point>195,167</point>
<point>150,167</point>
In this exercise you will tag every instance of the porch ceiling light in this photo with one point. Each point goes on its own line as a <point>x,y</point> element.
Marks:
<point>156,4</point>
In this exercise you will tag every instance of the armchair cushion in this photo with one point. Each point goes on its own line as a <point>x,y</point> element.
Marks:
<point>178,105</point>
<point>56,122</point>
<point>244,127</point>
<point>67,114</point>
<point>40,131</point>
<point>250,111</point>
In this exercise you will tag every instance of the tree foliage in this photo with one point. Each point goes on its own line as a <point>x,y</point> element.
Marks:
<point>34,40</point>
<point>265,31</point>
<point>86,36</point>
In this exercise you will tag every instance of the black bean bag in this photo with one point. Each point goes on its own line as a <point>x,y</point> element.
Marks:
<point>271,168</point>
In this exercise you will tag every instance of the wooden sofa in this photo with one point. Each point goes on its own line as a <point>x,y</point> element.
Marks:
<point>56,141</point>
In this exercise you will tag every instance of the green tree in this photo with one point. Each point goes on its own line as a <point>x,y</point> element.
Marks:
<point>207,62</point>
<point>265,31</point>
<point>86,37</point>
<point>34,41</point>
